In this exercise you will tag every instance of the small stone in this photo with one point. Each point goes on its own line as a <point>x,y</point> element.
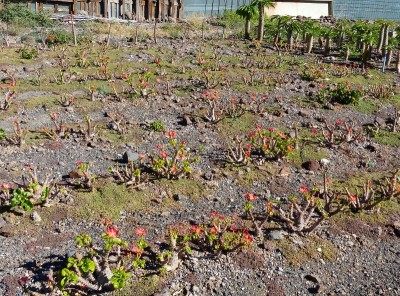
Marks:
<point>2,222</point>
<point>8,230</point>
<point>396,226</point>
<point>305,113</point>
<point>130,156</point>
<point>311,165</point>
<point>312,278</point>
<point>165,214</point>
<point>76,174</point>
<point>186,121</point>
<point>164,292</point>
<point>284,172</point>
<point>380,121</point>
<point>275,235</point>
<point>324,162</point>
<point>180,197</point>
<point>36,217</point>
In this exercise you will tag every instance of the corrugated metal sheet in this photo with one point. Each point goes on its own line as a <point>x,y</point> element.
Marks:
<point>211,7</point>
<point>367,9</point>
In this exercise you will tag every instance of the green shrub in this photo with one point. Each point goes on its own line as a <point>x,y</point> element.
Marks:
<point>28,52</point>
<point>20,15</point>
<point>342,93</point>
<point>157,126</point>
<point>59,36</point>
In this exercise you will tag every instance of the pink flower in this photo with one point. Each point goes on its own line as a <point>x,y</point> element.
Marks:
<point>171,134</point>
<point>304,189</point>
<point>79,163</point>
<point>248,239</point>
<point>164,154</point>
<point>314,132</point>
<point>141,231</point>
<point>250,196</point>
<point>339,122</point>
<point>213,230</point>
<point>5,186</point>
<point>213,213</point>
<point>112,232</point>
<point>136,250</point>
<point>196,229</point>
<point>142,155</point>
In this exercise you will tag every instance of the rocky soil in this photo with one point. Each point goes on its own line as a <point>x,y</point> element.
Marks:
<point>351,254</point>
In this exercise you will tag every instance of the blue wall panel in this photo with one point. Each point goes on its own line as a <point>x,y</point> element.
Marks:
<point>367,9</point>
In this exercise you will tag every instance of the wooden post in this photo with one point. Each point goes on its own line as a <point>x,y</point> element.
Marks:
<point>105,3</point>
<point>174,9</point>
<point>109,33</point>
<point>152,9</point>
<point>181,9</point>
<point>73,30</point>
<point>75,7</point>
<point>154,33</point>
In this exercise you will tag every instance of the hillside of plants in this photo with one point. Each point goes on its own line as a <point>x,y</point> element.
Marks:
<point>241,155</point>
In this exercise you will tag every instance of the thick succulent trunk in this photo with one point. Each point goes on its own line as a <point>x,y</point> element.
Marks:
<point>381,37</point>
<point>327,46</point>
<point>247,29</point>
<point>309,41</point>
<point>347,53</point>
<point>398,62</point>
<point>261,22</point>
<point>389,57</point>
<point>385,40</point>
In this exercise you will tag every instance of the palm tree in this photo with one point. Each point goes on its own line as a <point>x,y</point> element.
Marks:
<point>261,5</point>
<point>247,12</point>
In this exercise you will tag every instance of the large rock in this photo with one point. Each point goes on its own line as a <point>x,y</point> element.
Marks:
<point>311,165</point>
<point>130,156</point>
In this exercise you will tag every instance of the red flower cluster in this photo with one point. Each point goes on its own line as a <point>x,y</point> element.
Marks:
<point>250,196</point>
<point>141,231</point>
<point>112,232</point>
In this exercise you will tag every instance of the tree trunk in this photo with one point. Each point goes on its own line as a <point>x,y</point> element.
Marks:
<point>389,57</point>
<point>310,41</point>
<point>385,40</point>
<point>290,39</point>
<point>381,37</point>
<point>247,29</point>
<point>347,53</point>
<point>327,46</point>
<point>398,62</point>
<point>261,22</point>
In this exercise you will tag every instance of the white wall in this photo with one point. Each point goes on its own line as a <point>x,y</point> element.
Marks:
<point>313,10</point>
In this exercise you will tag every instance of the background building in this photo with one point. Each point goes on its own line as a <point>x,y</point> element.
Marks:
<point>352,9</point>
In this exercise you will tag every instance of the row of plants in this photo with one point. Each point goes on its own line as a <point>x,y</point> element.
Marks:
<point>359,39</point>
<point>107,264</point>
